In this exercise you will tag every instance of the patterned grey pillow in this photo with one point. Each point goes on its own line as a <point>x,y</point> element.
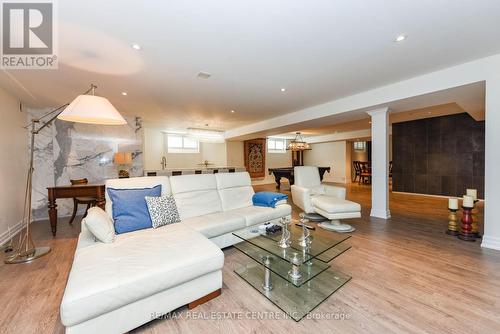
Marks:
<point>162,210</point>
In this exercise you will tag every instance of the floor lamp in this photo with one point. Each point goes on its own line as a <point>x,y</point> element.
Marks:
<point>86,108</point>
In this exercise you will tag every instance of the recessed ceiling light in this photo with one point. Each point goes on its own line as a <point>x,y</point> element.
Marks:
<point>204,75</point>
<point>124,93</point>
<point>283,89</point>
<point>136,46</point>
<point>400,38</point>
<point>232,111</point>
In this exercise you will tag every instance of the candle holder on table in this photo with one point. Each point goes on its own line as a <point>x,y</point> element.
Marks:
<point>452,223</point>
<point>284,242</point>
<point>304,238</point>
<point>475,222</point>
<point>466,228</point>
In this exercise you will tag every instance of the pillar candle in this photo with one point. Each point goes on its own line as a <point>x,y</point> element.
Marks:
<point>472,193</point>
<point>468,201</point>
<point>453,203</point>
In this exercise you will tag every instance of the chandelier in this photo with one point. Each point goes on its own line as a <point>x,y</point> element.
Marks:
<point>298,144</point>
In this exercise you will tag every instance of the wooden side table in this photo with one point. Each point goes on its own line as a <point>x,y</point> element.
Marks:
<point>72,191</point>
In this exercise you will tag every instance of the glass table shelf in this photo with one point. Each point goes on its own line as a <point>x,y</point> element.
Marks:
<point>296,279</point>
<point>320,243</point>
<point>297,302</point>
<point>281,267</point>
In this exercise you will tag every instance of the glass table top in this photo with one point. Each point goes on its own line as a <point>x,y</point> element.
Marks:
<point>281,267</point>
<point>321,242</point>
<point>297,302</point>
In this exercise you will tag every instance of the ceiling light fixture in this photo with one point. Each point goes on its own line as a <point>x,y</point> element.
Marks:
<point>136,46</point>
<point>283,89</point>
<point>204,75</point>
<point>124,93</point>
<point>232,111</point>
<point>400,38</point>
<point>205,135</point>
<point>298,144</point>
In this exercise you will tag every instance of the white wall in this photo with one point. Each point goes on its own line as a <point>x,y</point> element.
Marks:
<point>333,155</point>
<point>219,154</point>
<point>153,148</point>
<point>235,151</point>
<point>214,153</point>
<point>491,237</point>
<point>274,160</point>
<point>13,165</point>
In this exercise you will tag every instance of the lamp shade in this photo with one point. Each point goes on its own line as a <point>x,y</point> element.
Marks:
<point>123,158</point>
<point>93,110</point>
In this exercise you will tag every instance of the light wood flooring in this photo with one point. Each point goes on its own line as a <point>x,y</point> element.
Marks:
<point>407,277</point>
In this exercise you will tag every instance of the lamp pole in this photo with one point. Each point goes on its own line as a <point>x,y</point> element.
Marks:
<point>26,250</point>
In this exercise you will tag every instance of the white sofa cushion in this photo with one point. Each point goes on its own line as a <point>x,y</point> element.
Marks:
<point>195,195</point>
<point>235,190</point>
<point>139,264</point>
<point>334,205</point>
<point>215,224</point>
<point>100,224</point>
<point>306,176</point>
<point>258,214</point>
<point>136,183</point>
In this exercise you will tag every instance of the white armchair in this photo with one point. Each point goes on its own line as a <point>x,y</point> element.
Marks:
<point>327,201</point>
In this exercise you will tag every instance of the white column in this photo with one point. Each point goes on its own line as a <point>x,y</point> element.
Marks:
<point>380,163</point>
<point>491,238</point>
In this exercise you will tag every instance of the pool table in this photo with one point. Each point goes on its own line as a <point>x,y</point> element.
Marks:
<point>287,172</point>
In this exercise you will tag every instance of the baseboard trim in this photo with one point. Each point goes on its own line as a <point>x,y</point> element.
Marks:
<point>384,214</point>
<point>5,237</point>
<point>491,242</point>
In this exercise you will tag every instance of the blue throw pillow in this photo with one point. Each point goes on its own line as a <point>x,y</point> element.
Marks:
<point>130,211</point>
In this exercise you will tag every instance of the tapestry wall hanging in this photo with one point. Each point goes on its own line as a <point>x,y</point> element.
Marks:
<point>255,157</point>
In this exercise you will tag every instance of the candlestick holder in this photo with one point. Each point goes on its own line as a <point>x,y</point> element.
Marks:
<point>466,228</point>
<point>475,222</point>
<point>304,238</point>
<point>284,242</point>
<point>452,223</point>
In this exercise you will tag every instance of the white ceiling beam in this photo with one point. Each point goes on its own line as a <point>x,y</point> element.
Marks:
<point>467,73</point>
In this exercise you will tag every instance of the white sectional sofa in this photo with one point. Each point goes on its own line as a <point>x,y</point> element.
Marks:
<point>115,287</point>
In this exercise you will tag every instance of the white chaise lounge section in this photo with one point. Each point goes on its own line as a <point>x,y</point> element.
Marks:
<point>113,288</point>
<point>314,197</point>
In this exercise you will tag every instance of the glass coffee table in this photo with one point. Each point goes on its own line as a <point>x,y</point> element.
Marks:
<point>296,279</point>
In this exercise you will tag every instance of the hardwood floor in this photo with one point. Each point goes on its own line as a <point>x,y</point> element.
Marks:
<point>407,277</point>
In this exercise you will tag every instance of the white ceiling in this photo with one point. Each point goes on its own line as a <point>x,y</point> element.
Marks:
<point>467,98</point>
<point>319,51</point>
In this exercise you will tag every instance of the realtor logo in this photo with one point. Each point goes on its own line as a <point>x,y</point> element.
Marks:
<point>28,35</point>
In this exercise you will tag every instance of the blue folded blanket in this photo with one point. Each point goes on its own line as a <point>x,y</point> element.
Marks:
<point>267,199</point>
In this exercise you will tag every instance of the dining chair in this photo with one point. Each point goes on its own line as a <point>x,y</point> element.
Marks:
<point>89,201</point>
<point>357,170</point>
<point>365,172</point>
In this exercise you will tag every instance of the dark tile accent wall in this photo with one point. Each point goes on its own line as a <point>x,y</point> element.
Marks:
<point>439,156</point>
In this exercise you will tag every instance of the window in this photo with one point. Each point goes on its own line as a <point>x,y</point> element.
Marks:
<point>182,144</point>
<point>359,145</point>
<point>276,145</point>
